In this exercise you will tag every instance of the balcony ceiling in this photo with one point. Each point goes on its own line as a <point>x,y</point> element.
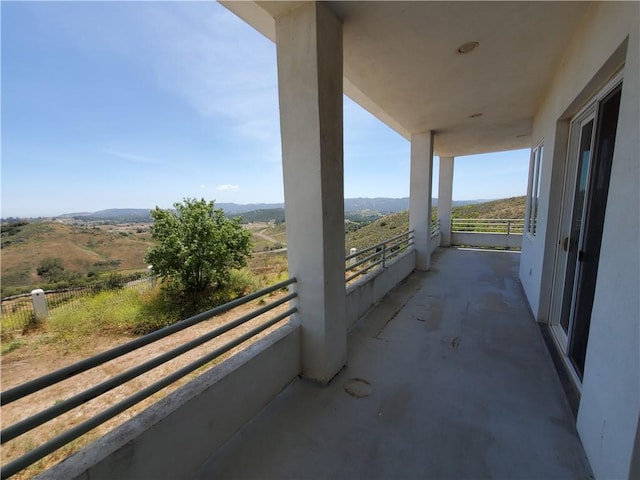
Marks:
<point>401,64</point>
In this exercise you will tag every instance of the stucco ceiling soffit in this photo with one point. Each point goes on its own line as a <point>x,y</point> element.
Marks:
<point>401,64</point>
<point>279,9</point>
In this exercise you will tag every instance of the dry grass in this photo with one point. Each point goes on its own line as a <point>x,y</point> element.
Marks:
<point>53,346</point>
<point>44,352</point>
<point>79,248</point>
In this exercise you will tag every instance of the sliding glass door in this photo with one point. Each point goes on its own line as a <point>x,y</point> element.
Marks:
<point>592,138</point>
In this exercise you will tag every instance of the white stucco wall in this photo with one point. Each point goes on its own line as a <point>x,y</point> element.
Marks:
<point>610,402</point>
<point>473,239</point>
<point>366,292</point>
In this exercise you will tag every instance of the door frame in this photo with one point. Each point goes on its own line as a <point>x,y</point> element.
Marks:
<point>586,114</point>
<point>589,110</point>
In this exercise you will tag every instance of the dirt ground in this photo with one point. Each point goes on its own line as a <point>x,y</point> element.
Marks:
<point>40,356</point>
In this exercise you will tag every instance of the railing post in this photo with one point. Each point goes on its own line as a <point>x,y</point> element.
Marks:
<point>384,255</point>
<point>352,251</point>
<point>508,227</point>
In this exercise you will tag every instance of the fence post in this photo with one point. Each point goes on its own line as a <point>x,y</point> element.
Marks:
<point>39,301</point>
<point>352,251</point>
<point>508,227</point>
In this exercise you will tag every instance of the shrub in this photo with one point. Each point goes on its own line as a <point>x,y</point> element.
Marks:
<point>157,310</point>
<point>242,282</point>
<point>50,269</point>
<point>114,281</point>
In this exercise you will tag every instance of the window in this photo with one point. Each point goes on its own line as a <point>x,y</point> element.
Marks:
<point>531,217</point>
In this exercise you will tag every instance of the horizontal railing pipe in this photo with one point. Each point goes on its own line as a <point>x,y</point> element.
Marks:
<point>38,419</point>
<point>506,226</point>
<point>40,383</point>
<point>365,260</point>
<point>401,243</point>
<point>363,270</point>
<point>52,445</point>
<point>384,251</point>
<point>361,252</point>
<point>348,257</point>
<point>435,226</point>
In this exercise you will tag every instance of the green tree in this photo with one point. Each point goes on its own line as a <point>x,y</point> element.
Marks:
<point>197,246</point>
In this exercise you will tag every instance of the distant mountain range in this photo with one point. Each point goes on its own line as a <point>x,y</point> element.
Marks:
<point>364,206</point>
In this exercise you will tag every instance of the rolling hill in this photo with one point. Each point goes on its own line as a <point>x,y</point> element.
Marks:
<point>93,250</point>
<point>505,208</point>
<point>262,215</point>
<point>382,229</point>
<point>255,212</point>
<point>121,215</point>
<point>82,250</point>
<point>396,223</point>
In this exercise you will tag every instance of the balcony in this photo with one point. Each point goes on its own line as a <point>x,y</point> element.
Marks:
<point>447,377</point>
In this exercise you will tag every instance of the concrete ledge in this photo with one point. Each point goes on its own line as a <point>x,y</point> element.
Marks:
<point>513,240</point>
<point>367,291</point>
<point>173,437</point>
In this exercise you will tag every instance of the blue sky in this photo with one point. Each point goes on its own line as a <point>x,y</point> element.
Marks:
<point>117,105</point>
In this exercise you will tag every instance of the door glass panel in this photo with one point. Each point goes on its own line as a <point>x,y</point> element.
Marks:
<point>584,159</point>
<point>596,205</point>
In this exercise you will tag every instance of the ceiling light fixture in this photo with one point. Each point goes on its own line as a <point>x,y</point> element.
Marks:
<point>467,47</point>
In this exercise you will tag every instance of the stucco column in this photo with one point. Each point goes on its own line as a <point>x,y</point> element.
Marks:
<point>309,52</point>
<point>420,196</point>
<point>445,192</point>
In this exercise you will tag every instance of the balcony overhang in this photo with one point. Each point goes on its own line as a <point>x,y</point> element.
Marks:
<point>401,64</point>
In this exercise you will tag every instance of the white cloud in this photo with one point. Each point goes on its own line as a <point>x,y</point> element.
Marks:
<point>198,51</point>
<point>227,187</point>
<point>218,64</point>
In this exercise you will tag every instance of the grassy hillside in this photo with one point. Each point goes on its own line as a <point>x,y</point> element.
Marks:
<point>504,208</point>
<point>91,251</point>
<point>83,251</point>
<point>382,229</point>
<point>391,225</point>
<point>86,254</point>
<point>279,232</point>
<point>262,215</point>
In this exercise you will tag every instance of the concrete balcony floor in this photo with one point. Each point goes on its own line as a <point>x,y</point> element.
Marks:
<point>461,386</point>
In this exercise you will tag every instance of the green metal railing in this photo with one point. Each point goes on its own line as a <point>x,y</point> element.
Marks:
<point>487,225</point>
<point>13,431</point>
<point>364,261</point>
